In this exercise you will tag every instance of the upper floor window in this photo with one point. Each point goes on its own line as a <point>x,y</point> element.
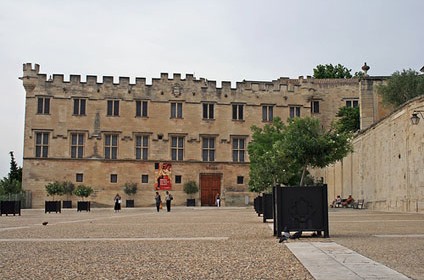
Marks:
<point>41,144</point>
<point>141,147</point>
<point>140,108</point>
<point>77,145</point>
<point>111,146</point>
<point>208,111</point>
<point>79,106</point>
<point>113,107</point>
<point>176,110</point>
<point>352,103</point>
<point>294,111</point>
<point>43,105</point>
<point>239,149</point>
<point>238,111</point>
<point>267,113</point>
<point>177,148</point>
<point>208,149</point>
<point>314,106</point>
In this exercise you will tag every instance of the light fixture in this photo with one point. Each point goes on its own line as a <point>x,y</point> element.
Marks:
<point>415,119</point>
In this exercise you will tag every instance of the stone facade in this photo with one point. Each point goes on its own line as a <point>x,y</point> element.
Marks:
<point>73,130</point>
<point>386,166</point>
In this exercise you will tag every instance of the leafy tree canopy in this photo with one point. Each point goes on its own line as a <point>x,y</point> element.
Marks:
<point>13,182</point>
<point>349,120</point>
<point>309,145</point>
<point>402,86</point>
<point>329,71</point>
<point>280,154</point>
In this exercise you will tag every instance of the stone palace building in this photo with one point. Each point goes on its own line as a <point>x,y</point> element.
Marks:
<point>105,133</point>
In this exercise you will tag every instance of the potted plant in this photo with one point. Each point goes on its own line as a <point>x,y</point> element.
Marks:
<point>53,189</point>
<point>83,191</point>
<point>191,188</point>
<point>130,189</point>
<point>68,189</point>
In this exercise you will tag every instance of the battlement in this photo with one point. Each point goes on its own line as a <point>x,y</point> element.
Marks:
<point>201,84</point>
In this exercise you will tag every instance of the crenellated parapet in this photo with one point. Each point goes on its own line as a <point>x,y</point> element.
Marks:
<point>163,88</point>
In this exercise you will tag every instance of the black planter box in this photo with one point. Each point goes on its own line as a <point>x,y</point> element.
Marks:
<point>301,209</point>
<point>10,207</point>
<point>67,204</point>
<point>52,206</point>
<point>129,203</point>
<point>191,202</point>
<point>83,206</point>
<point>267,206</point>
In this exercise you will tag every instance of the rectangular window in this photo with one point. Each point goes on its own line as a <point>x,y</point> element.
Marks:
<point>267,113</point>
<point>178,179</point>
<point>177,148</point>
<point>79,177</point>
<point>114,178</point>
<point>176,110</point>
<point>77,145</point>
<point>140,108</point>
<point>237,111</point>
<point>111,146</point>
<point>141,147</point>
<point>43,105</point>
<point>208,149</point>
<point>208,111</point>
<point>294,111</point>
<point>240,180</point>
<point>79,106</point>
<point>314,106</point>
<point>113,107</point>
<point>238,149</point>
<point>41,144</point>
<point>145,178</point>
<point>352,103</point>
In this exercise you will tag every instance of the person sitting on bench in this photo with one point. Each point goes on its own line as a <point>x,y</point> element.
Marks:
<point>348,202</point>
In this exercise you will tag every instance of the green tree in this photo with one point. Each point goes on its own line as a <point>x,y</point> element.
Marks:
<point>13,182</point>
<point>308,145</point>
<point>83,191</point>
<point>349,120</point>
<point>329,71</point>
<point>401,87</point>
<point>269,165</point>
<point>54,188</point>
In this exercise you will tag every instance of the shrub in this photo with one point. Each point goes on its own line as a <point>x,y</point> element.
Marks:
<point>83,191</point>
<point>190,188</point>
<point>54,188</point>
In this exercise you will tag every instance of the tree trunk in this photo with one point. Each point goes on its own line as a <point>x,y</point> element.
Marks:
<point>303,175</point>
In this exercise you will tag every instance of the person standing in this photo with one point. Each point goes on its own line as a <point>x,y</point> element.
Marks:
<point>168,198</point>
<point>217,200</point>
<point>117,206</point>
<point>158,201</point>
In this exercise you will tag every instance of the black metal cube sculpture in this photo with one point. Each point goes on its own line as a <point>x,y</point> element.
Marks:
<point>301,209</point>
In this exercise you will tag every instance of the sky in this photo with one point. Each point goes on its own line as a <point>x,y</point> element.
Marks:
<point>220,40</point>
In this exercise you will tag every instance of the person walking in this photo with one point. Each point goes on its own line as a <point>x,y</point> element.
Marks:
<point>118,200</point>
<point>168,198</point>
<point>158,201</point>
<point>217,200</point>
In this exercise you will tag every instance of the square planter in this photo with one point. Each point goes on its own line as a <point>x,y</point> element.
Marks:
<point>129,203</point>
<point>52,206</point>
<point>83,206</point>
<point>10,207</point>
<point>67,204</point>
<point>191,202</point>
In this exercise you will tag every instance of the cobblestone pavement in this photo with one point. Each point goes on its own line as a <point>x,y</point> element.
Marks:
<point>186,243</point>
<point>190,243</point>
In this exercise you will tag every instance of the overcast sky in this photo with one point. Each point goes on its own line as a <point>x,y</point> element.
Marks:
<point>220,40</point>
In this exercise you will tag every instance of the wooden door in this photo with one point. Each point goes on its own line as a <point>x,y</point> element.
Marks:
<point>210,185</point>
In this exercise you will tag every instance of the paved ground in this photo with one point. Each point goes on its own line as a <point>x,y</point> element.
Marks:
<point>191,243</point>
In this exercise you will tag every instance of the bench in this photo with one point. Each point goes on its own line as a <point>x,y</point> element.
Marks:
<point>358,204</point>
